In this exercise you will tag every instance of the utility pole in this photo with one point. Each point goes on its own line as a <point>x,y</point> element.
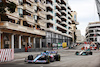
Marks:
<point>98,7</point>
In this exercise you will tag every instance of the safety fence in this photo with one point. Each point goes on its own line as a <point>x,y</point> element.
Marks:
<point>6,55</point>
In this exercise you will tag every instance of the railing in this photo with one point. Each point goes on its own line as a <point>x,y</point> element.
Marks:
<point>30,8</point>
<point>17,27</point>
<point>15,14</point>
<point>15,1</point>
<point>29,18</point>
<point>41,5</point>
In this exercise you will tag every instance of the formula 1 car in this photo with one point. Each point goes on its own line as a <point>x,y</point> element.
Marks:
<point>84,52</point>
<point>44,57</point>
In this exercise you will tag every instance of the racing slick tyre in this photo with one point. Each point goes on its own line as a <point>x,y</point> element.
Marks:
<point>90,53</point>
<point>77,53</point>
<point>57,57</point>
<point>30,57</point>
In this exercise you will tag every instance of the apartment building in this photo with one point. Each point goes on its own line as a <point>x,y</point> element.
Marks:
<point>36,24</point>
<point>58,22</point>
<point>74,25</point>
<point>79,37</point>
<point>25,27</point>
<point>93,32</point>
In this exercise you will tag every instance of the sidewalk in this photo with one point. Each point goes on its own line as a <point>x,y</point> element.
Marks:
<point>24,55</point>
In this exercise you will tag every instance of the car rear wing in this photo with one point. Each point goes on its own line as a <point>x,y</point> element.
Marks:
<point>52,52</point>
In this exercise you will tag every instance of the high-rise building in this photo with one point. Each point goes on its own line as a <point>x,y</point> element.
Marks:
<point>73,25</point>
<point>79,37</point>
<point>34,24</point>
<point>58,22</point>
<point>93,32</point>
<point>25,27</point>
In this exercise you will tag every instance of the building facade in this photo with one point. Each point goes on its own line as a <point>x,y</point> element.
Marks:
<point>93,32</point>
<point>25,27</point>
<point>36,24</point>
<point>58,22</point>
<point>74,25</point>
<point>79,37</point>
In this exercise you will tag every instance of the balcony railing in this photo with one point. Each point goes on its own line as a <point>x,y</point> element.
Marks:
<point>30,8</point>
<point>12,15</point>
<point>41,5</point>
<point>57,5</point>
<point>29,19</point>
<point>50,13</point>
<point>58,12</point>
<point>58,18</point>
<point>49,5</point>
<point>17,27</point>
<point>15,1</point>
<point>50,21</point>
<point>41,14</point>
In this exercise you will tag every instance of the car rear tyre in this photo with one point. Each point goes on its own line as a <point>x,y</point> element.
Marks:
<point>90,53</point>
<point>77,53</point>
<point>57,57</point>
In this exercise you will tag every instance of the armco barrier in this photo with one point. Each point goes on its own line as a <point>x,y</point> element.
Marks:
<point>6,55</point>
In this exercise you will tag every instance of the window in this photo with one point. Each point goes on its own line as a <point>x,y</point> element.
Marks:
<point>35,8</point>
<point>0,0</point>
<point>35,18</point>
<point>20,12</point>
<point>75,17</point>
<point>21,2</point>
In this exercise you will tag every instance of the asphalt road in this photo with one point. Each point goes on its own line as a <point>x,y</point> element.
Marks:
<point>68,59</point>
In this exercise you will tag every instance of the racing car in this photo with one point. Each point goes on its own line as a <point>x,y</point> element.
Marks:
<point>84,52</point>
<point>44,57</point>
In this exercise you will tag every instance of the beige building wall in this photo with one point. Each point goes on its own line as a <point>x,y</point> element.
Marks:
<point>74,23</point>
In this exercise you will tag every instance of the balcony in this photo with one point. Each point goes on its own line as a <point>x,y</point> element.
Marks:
<point>41,5</point>
<point>27,7</point>
<point>15,1</point>
<point>42,14</point>
<point>63,11</point>
<point>17,27</point>
<point>49,13</point>
<point>49,5</point>
<point>64,17</point>
<point>50,29</point>
<point>29,19</point>
<point>62,5</point>
<point>58,18</point>
<point>42,23</point>
<point>64,23</point>
<point>61,26</point>
<point>59,1</point>
<point>14,15</point>
<point>69,21</point>
<point>57,5</point>
<point>70,31</point>
<point>32,1</point>
<point>69,16</point>
<point>50,21</point>
<point>57,12</point>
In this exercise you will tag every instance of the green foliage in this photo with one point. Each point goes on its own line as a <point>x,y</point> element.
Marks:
<point>11,7</point>
<point>2,8</point>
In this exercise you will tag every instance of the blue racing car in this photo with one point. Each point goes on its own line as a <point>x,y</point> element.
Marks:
<point>44,57</point>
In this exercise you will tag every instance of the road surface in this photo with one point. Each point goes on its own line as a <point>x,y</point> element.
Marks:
<point>68,59</point>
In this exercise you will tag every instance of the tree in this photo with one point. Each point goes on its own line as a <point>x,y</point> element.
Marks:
<point>10,7</point>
